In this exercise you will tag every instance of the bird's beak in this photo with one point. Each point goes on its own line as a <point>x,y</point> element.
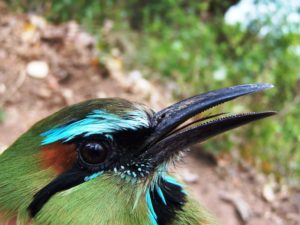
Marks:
<point>168,138</point>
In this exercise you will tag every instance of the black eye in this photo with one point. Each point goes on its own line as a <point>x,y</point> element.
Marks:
<point>93,152</point>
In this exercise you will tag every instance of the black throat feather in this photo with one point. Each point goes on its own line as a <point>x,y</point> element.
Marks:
<point>167,199</point>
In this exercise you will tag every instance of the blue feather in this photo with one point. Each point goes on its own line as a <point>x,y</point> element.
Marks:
<point>151,212</point>
<point>160,193</point>
<point>93,176</point>
<point>97,122</point>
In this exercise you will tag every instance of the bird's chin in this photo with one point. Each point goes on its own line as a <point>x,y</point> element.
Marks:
<point>172,131</point>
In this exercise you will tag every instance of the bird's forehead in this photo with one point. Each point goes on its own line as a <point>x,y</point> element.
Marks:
<point>96,117</point>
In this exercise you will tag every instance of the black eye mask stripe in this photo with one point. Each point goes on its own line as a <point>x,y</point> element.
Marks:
<point>67,180</point>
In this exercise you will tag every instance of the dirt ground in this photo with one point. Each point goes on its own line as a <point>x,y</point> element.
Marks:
<point>45,67</point>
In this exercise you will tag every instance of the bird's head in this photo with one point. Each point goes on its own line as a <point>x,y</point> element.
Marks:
<point>105,158</point>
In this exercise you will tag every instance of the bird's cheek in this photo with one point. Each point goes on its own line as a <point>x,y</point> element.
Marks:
<point>57,156</point>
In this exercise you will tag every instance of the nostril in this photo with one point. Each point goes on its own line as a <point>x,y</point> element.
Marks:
<point>158,118</point>
<point>162,116</point>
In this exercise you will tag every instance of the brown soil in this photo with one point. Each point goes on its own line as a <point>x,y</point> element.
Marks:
<point>234,193</point>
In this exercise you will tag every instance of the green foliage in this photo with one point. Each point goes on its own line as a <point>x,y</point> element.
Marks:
<point>2,116</point>
<point>192,45</point>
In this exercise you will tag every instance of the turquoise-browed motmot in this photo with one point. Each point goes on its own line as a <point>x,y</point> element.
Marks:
<point>105,162</point>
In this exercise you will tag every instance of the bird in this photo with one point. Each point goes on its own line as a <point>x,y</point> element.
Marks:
<point>105,162</point>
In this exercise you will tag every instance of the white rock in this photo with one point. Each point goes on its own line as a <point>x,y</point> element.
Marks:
<point>37,21</point>
<point>37,69</point>
<point>2,88</point>
<point>68,95</point>
<point>189,177</point>
<point>242,207</point>
<point>101,94</point>
<point>268,193</point>
<point>85,39</point>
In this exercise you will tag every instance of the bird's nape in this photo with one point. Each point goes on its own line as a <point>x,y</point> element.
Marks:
<point>104,161</point>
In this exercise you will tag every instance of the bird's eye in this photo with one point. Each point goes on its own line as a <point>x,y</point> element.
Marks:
<point>93,152</point>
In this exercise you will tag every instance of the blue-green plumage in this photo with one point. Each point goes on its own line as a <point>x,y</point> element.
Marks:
<point>104,161</point>
<point>98,122</point>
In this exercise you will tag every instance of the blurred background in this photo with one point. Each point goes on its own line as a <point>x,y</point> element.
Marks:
<point>58,52</point>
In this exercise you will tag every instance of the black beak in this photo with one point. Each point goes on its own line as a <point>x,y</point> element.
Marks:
<point>167,139</point>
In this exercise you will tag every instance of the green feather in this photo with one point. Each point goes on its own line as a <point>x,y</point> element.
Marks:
<point>105,200</point>
<point>21,176</point>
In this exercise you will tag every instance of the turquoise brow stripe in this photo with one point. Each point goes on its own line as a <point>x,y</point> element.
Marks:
<point>97,122</point>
